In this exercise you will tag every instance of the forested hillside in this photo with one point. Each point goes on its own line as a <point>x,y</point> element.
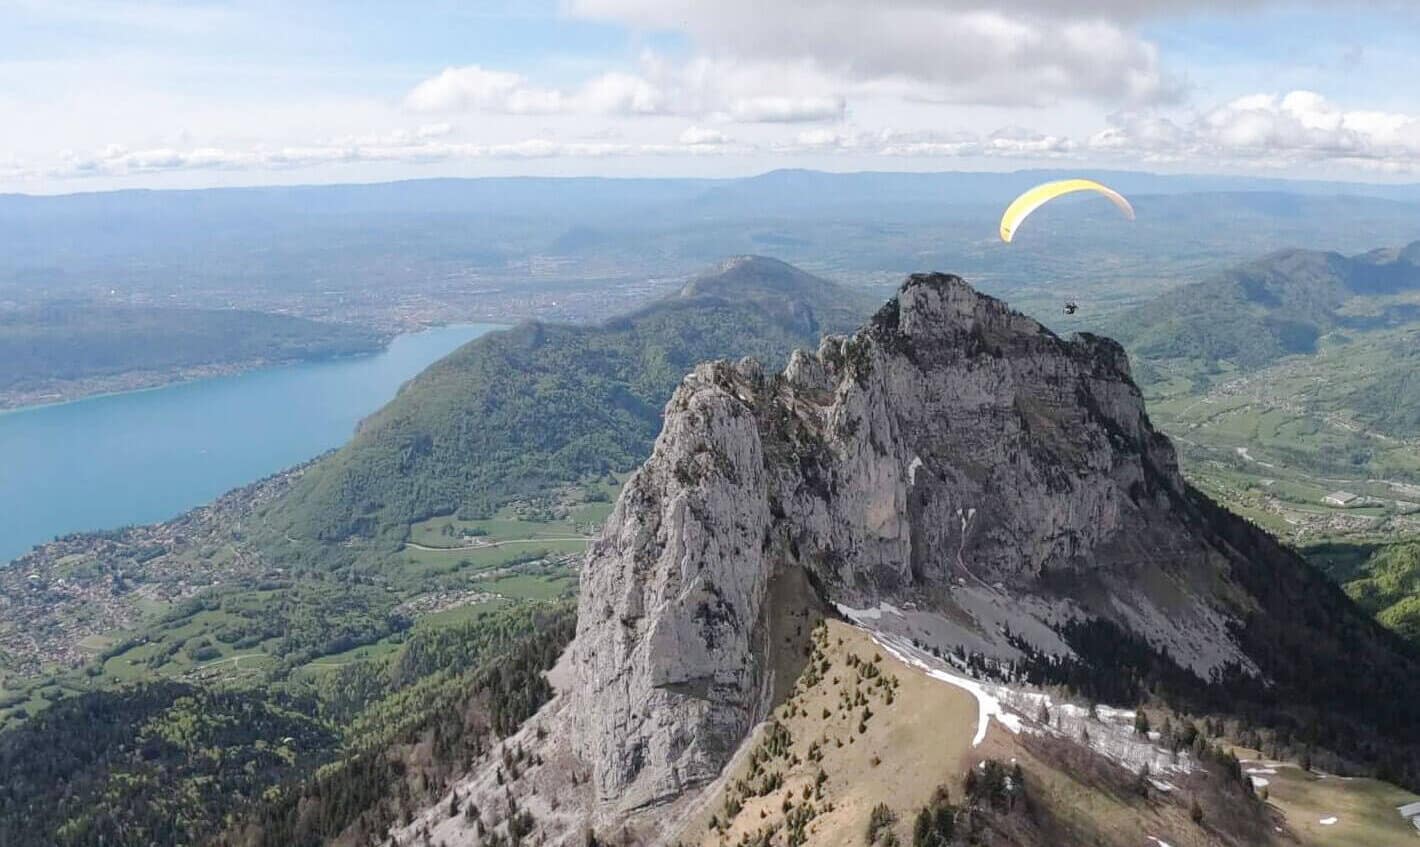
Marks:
<point>514,412</point>
<point>1279,305</point>
<point>169,763</point>
<point>63,341</point>
<point>155,764</point>
<point>1291,386</point>
<point>1383,579</point>
<point>384,658</point>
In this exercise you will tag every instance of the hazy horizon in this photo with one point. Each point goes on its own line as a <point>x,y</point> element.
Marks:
<point>1247,181</point>
<point>230,92</point>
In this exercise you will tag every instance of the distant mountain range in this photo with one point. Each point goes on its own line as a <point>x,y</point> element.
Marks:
<point>1344,331</point>
<point>1278,305</point>
<point>783,189</point>
<point>356,248</point>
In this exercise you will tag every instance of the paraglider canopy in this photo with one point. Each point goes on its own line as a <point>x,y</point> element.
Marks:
<point>1033,199</point>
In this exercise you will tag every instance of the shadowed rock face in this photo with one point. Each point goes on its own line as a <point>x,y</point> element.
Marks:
<point>950,447</point>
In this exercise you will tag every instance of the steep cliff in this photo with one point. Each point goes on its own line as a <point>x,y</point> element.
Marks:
<point>957,477</point>
<point>953,454</point>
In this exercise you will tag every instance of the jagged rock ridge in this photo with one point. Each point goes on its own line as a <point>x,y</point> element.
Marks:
<point>952,455</point>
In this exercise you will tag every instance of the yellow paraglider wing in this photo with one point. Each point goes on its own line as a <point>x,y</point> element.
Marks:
<point>1033,199</point>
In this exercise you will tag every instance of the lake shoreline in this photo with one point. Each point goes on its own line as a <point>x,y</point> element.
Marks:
<point>133,382</point>
<point>143,456</point>
<point>36,589</point>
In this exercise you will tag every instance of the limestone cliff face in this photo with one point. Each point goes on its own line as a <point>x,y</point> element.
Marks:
<point>951,449</point>
<point>668,671</point>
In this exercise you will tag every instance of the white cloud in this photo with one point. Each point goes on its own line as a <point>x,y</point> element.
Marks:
<point>400,147</point>
<point>821,139</point>
<point>622,94</point>
<point>438,130</point>
<point>695,136</point>
<point>474,87</point>
<point>1269,130</point>
<point>1019,141</point>
<point>947,51</point>
<point>786,109</point>
<point>929,144</point>
<point>1006,143</point>
<point>1301,131</point>
<point>699,88</point>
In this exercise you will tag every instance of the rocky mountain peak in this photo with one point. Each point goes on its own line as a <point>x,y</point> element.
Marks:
<point>953,477</point>
<point>936,304</point>
<point>949,456</point>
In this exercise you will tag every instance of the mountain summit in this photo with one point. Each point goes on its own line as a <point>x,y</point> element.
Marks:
<point>955,477</point>
<point>754,278</point>
<point>949,458</point>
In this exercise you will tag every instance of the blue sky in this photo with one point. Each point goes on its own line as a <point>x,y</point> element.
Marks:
<point>98,94</point>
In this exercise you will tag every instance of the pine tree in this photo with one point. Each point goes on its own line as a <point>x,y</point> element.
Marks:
<point>922,829</point>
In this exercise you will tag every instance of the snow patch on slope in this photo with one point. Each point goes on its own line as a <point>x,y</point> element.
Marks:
<point>987,705</point>
<point>861,617</point>
<point>1109,731</point>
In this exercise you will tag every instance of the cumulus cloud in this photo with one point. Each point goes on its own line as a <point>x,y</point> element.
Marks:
<point>698,136</point>
<point>622,94</point>
<point>951,50</point>
<point>1271,130</point>
<point>1006,143</point>
<point>401,147</point>
<point>438,130</point>
<point>749,91</point>
<point>1259,131</point>
<point>786,109</point>
<point>697,88</point>
<point>804,60</point>
<point>474,87</point>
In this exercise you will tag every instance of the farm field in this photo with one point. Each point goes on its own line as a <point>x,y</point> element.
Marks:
<point>1276,443</point>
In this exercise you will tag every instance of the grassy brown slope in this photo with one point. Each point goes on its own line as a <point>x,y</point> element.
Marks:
<point>1365,809</point>
<point>1085,798</point>
<point>885,758</point>
<point>917,737</point>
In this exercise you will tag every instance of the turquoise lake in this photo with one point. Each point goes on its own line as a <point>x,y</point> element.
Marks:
<point>146,456</point>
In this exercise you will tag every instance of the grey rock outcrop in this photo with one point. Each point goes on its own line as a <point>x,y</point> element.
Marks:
<point>952,447</point>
